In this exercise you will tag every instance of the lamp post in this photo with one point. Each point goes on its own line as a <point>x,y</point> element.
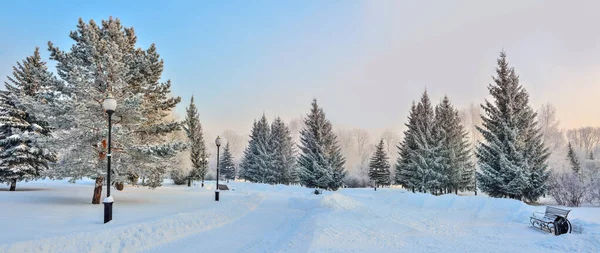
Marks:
<point>109,105</point>
<point>218,142</point>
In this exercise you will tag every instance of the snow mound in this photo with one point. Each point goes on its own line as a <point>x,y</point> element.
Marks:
<point>337,201</point>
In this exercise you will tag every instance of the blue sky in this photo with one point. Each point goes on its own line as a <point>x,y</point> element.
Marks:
<point>364,60</point>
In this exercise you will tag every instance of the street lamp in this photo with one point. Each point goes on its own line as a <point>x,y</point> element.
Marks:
<point>109,105</point>
<point>218,142</point>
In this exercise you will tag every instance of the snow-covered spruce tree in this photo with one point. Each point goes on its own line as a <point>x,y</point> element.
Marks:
<point>456,157</point>
<point>227,165</point>
<point>321,163</point>
<point>573,160</point>
<point>103,59</point>
<point>284,160</point>
<point>257,163</point>
<point>379,167</point>
<point>426,160</point>
<point>512,158</point>
<point>24,152</point>
<point>196,145</point>
<point>405,175</point>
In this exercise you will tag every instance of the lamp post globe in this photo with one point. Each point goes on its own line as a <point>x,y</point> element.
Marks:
<point>110,105</point>
<point>218,143</point>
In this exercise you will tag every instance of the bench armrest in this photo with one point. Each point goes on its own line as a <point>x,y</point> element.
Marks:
<point>539,214</point>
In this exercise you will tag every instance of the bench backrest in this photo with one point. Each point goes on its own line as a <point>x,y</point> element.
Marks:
<point>553,212</point>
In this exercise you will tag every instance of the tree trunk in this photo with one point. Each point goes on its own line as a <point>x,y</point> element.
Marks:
<point>97,191</point>
<point>120,186</point>
<point>189,182</point>
<point>13,185</point>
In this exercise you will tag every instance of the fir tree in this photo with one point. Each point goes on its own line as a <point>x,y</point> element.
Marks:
<point>226,164</point>
<point>379,167</point>
<point>321,163</point>
<point>284,160</point>
<point>419,165</point>
<point>591,155</point>
<point>257,163</point>
<point>23,136</point>
<point>512,158</point>
<point>572,158</point>
<point>197,147</point>
<point>456,160</point>
<point>104,58</point>
<point>405,175</point>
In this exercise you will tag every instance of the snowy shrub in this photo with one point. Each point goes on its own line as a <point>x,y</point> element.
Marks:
<point>566,188</point>
<point>179,176</point>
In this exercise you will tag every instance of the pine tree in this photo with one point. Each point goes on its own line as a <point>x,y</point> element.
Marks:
<point>321,163</point>
<point>226,164</point>
<point>284,160</point>
<point>419,165</point>
<point>257,163</point>
<point>379,167</point>
<point>405,175</point>
<point>197,147</point>
<point>23,135</point>
<point>456,159</point>
<point>512,158</point>
<point>104,59</point>
<point>573,160</point>
<point>591,155</point>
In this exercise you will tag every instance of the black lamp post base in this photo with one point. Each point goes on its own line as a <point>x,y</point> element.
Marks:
<point>107,212</point>
<point>216,196</point>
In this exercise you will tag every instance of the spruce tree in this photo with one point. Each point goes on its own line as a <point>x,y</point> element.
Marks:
<point>573,160</point>
<point>321,163</point>
<point>459,172</point>
<point>226,164</point>
<point>196,145</point>
<point>257,163</point>
<point>591,155</point>
<point>405,175</point>
<point>24,153</point>
<point>284,160</point>
<point>379,167</point>
<point>104,59</point>
<point>512,158</point>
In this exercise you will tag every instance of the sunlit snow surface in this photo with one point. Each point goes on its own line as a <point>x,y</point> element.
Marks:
<point>55,216</point>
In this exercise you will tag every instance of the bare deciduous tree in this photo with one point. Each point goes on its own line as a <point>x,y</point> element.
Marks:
<point>552,136</point>
<point>586,138</point>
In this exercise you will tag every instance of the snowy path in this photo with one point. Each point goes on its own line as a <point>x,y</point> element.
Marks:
<point>270,227</point>
<point>57,217</point>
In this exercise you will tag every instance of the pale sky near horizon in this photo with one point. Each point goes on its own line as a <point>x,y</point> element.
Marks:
<point>365,61</point>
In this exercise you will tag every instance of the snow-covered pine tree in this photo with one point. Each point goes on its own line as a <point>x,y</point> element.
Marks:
<point>257,164</point>
<point>573,160</point>
<point>23,135</point>
<point>512,158</point>
<point>426,159</point>
<point>379,167</point>
<point>246,171</point>
<point>405,175</point>
<point>196,145</point>
<point>103,59</point>
<point>321,163</point>
<point>456,157</point>
<point>227,167</point>
<point>284,160</point>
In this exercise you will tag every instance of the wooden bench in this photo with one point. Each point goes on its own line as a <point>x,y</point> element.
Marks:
<point>553,220</point>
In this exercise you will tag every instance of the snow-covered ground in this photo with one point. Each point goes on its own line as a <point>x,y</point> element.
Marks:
<point>55,216</point>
